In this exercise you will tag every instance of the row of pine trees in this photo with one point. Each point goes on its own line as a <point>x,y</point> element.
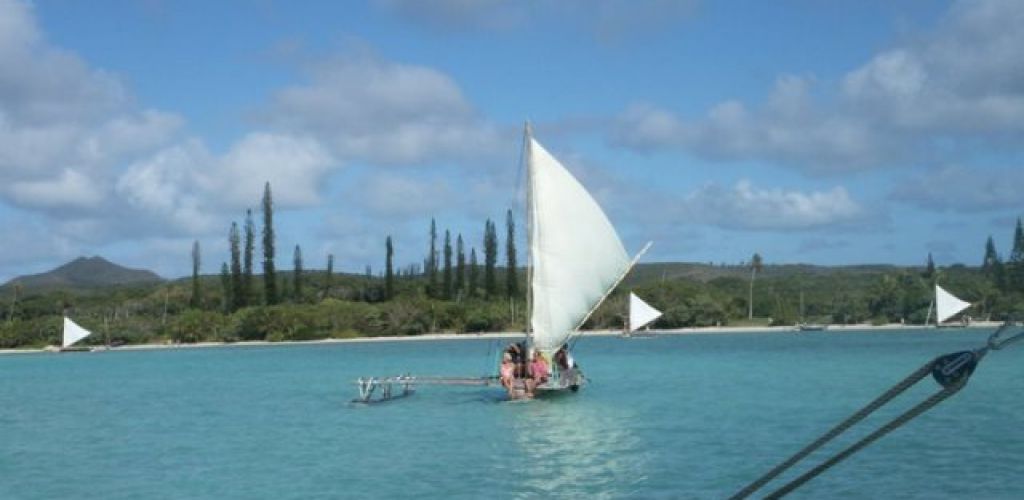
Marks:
<point>445,280</point>
<point>448,273</point>
<point>1008,275</point>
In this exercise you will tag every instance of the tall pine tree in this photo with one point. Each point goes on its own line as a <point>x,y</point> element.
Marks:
<point>250,236</point>
<point>460,267</point>
<point>297,271</point>
<point>389,269</point>
<point>992,265</point>
<point>447,265</point>
<point>1015,266</point>
<point>432,261</point>
<point>236,267</point>
<point>196,301</point>
<point>269,276</point>
<point>756,265</point>
<point>490,259</point>
<point>225,285</point>
<point>474,274</point>
<point>329,278</point>
<point>511,280</point>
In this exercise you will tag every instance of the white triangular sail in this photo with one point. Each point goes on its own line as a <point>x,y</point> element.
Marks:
<point>575,255</point>
<point>640,313</point>
<point>73,333</point>
<point>947,304</point>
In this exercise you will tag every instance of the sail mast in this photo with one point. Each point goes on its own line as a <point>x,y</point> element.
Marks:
<point>530,214</point>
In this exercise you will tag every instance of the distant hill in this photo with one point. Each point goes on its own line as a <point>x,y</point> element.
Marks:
<point>86,272</point>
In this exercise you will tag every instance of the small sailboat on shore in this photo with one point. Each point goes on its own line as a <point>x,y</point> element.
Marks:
<point>946,306</point>
<point>641,314</point>
<point>73,333</point>
<point>803,325</point>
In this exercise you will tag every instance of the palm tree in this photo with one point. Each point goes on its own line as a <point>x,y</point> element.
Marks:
<point>755,266</point>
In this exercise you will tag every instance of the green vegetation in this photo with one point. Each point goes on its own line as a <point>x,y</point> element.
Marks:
<point>413,301</point>
<point>347,305</point>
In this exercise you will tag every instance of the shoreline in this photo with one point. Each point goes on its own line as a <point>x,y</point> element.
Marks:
<point>703,330</point>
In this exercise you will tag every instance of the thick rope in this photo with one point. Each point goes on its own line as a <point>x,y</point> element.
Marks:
<point>952,371</point>
<point>922,407</point>
<point>896,390</point>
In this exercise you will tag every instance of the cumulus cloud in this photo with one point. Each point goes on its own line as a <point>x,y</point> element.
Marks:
<point>168,187</point>
<point>187,186</point>
<point>77,149</point>
<point>962,189</point>
<point>64,127</point>
<point>746,207</point>
<point>962,83</point>
<point>71,189</point>
<point>294,166</point>
<point>364,108</point>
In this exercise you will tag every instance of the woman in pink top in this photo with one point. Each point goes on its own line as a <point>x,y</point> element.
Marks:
<point>507,374</point>
<point>507,371</point>
<point>539,369</point>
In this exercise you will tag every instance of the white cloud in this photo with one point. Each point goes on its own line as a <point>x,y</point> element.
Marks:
<point>168,187</point>
<point>65,128</point>
<point>746,207</point>
<point>788,130</point>
<point>962,189</point>
<point>191,189</point>
<point>364,108</point>
<point>962,83</point>
<point>294,166</point>
<point>70,190</point>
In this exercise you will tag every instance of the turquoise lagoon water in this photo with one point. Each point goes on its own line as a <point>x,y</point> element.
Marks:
<point>695,416</point>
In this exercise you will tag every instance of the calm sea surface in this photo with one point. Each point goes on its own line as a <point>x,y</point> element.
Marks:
<point>695,416</point>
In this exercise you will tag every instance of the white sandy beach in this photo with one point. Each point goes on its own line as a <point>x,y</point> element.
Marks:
<point>709,330</point>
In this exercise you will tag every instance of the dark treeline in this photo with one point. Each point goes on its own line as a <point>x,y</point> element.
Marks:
<point>454,292</point>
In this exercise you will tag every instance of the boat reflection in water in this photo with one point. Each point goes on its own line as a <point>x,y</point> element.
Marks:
<point>569,448</point>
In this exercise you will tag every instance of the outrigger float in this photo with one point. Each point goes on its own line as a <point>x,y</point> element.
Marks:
<point>575,260</point>
<point>405,385</point>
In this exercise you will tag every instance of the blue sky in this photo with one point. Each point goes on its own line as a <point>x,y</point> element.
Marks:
<point>817,132</point>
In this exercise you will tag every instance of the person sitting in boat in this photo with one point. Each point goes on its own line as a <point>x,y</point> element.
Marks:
<point>507,373</point>
<point>516,350</point>
<point>567,367</point>
<point>539,370</point>
<point>563,359</point>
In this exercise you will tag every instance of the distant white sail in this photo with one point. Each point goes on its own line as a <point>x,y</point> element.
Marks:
<point>947,304</point>
<point>640,313</point>
<point>73,333</point>
<point>575,255</point>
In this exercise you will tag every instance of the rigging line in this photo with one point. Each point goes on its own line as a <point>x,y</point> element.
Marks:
<point>576,335</point>
<point>951,371</point>
<point>920,408</point>
<point>896,390</point>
